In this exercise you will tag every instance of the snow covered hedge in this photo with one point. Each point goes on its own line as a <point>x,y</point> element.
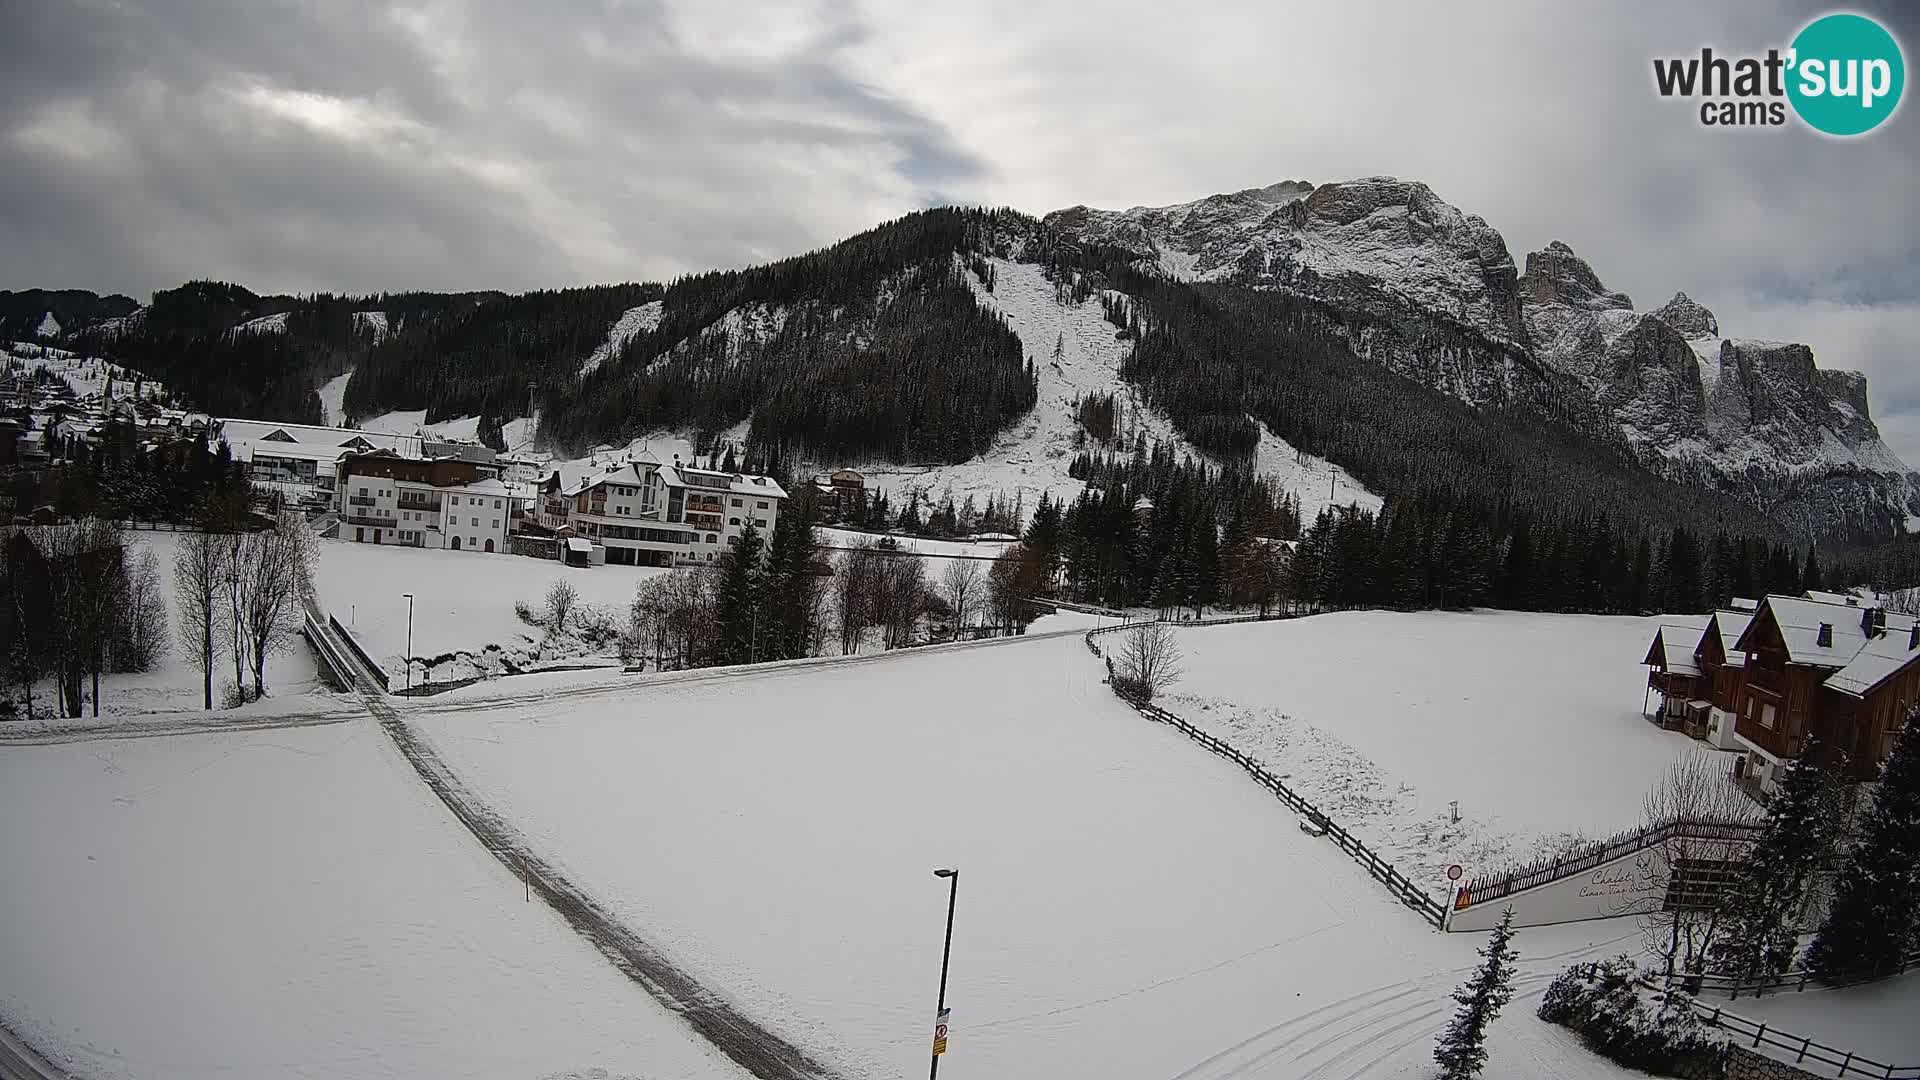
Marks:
<point>1620,1019</point>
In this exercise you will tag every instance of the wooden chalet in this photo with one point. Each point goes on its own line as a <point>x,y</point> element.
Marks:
<point>1767,679</point>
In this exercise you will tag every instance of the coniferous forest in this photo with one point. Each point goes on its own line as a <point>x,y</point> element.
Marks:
<point>875,349</point>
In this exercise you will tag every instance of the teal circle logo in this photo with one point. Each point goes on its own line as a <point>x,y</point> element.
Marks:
<point>1847,74</point>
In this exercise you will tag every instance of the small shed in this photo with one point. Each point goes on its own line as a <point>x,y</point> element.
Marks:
<point>579,551</point>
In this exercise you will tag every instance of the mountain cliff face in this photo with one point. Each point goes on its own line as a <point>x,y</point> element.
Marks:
<point>1753,417</point>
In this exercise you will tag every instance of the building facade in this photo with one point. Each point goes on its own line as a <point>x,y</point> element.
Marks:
<point>643,513</point>
<point>1826,671</point>
<point>441,503</point>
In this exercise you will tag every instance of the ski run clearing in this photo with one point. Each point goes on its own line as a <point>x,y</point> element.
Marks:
<point>1076,355</point>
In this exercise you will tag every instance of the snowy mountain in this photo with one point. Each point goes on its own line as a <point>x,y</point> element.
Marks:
<point>1757,418</point>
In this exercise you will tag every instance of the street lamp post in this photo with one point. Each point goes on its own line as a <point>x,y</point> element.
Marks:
<point>940,1018</point>
<point>409,658</point>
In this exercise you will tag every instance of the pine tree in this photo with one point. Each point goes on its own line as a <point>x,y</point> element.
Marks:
<point>1462,1050</point>
<point>737,612</point>
<point>1770,886</point>
<point>1810,576</point>
<point>1876,903</point>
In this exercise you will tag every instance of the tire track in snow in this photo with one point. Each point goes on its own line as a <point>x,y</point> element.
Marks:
<point>753,1047</point>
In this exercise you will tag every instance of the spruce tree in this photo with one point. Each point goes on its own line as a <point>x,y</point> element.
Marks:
<point>737,612</point>
<point>1872,922</point>
<point>1771,881</point>
<point>1810,576</point>
<point>1462,1050</point>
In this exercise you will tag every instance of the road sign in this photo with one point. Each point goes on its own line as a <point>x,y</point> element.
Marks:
<point>940,1033</point>
<point>1454,872</point>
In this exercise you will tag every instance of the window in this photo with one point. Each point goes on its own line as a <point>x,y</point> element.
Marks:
<point>733,521</point>
<point>736,502</point>
<point>454,499</point>
<point>759,523</point>
<point>496,504</point>
<point>1766,717</point>
<point>476,523</point>
<point>363,491</point>
<point>496,523</point>
<point>711,540</point>
<point>761,505</point>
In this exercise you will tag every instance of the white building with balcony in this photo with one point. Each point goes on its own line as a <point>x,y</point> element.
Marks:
<point>442,503</point>
<point>643,513</point>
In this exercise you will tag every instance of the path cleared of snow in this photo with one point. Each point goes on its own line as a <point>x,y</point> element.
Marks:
<point>293,904</point>
<point>1129,905</point>
<point>1532,722</point>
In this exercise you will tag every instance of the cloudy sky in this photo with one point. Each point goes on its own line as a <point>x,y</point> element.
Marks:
<point>297,145</point>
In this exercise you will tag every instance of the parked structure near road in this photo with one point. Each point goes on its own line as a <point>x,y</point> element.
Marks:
<point>1834,669</point>
<point>643,513</point>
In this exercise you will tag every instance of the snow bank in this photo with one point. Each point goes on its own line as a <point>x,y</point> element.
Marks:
<point>1532,722</point>
<point>1130,906</point>
<point>291,904</point>
<point>275,323</point>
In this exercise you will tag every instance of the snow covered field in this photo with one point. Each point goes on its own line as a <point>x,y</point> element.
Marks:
<point>1532,722</point>
<point>463,601</point>
<point>1130,906</point>
<point>291,904</point>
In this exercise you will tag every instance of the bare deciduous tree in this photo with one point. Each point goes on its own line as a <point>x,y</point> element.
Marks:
<point>143,615</point>
<point>561,599</point>
<point>279,567</point>
<point>962,583</point>
<point>1149,660</point>
<point>854,582</point>
<point>1688,870</point>
<point>199,569</point>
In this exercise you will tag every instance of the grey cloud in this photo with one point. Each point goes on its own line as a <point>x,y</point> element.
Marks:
<point>522,145</point>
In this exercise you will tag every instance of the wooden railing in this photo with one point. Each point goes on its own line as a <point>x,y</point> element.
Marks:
<point>1587,856</point>
<point>1803,1048</point>
<point>1312,817</point>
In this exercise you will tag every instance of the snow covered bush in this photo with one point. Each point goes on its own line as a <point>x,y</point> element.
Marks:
<point>562,598</point>
<point>1625,1021</point>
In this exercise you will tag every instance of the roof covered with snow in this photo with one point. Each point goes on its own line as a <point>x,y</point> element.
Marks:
<point>281,439</point>
<point>1878,660</point>
<point>1676,644</point>
<point>1800,620</point>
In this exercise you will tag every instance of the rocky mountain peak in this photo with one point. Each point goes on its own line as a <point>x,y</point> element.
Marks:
<point>1555,275</point>
<point>1689,317</point>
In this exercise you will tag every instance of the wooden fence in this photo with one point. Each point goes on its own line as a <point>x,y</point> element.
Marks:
<point>1403,890</point>
<point>1587,856</point>
<point>1804,1050</point>
<point>1796,980</point>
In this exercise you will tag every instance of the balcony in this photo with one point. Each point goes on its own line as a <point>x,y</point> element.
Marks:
<point>364,519</point>
<point>420,504</point>
<point>362,500</point>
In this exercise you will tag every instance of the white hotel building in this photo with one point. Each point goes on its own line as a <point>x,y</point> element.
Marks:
<point>643,513</point>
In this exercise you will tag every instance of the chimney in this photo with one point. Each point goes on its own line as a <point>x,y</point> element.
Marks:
<point>1825,637</point>
<point>1873,622</point>
<point>1913,637</point>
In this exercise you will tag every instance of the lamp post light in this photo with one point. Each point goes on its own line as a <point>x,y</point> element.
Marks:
<point>409,597</point>
<point>946,952</point>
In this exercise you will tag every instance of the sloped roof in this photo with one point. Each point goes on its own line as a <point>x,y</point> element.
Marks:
<point>763,487</point>
<point>1730,625</point>
<point>1799,621</point>
<point>1877,661</point>
<point>1672,648</point>
<point>242,435</point>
